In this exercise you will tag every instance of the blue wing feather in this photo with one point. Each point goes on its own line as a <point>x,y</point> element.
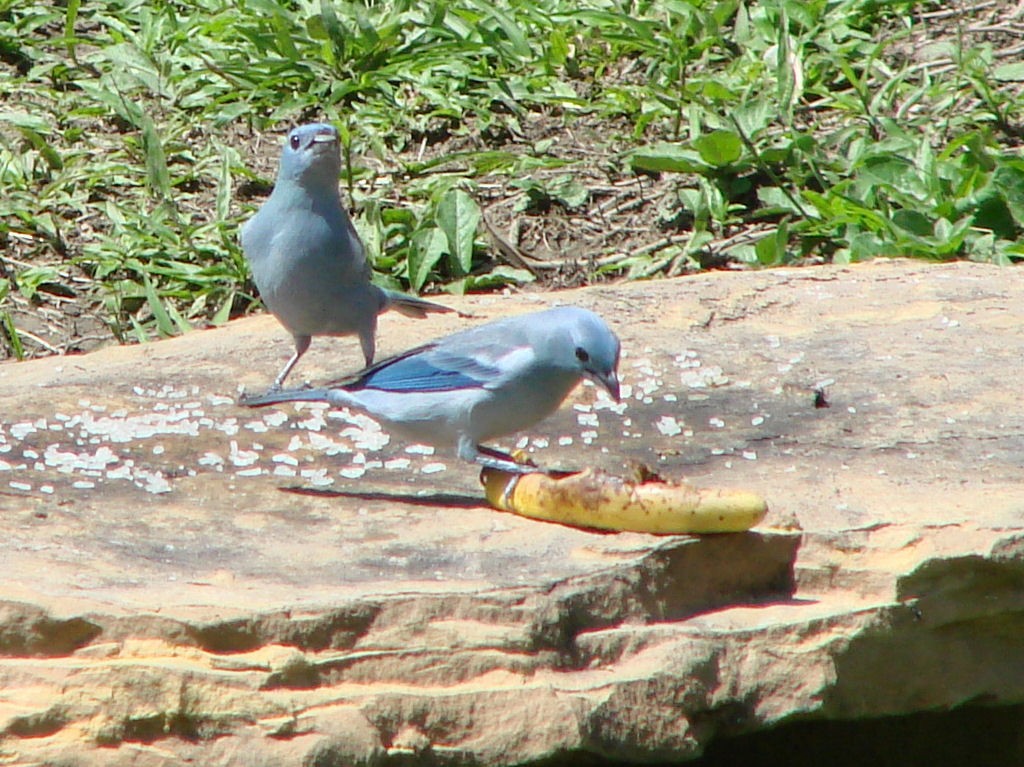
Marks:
<point>421,369</point>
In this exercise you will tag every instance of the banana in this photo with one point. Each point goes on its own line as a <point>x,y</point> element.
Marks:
<point>596,499</point>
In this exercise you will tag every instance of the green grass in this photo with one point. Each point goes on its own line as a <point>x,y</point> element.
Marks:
<point>779,131</point>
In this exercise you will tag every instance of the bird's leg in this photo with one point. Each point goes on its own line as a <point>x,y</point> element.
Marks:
<point>491,458</point>
<point>301,345</point>
<point>368,342</point>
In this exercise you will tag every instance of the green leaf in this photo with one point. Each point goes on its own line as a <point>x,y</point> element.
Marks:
<point>1009,180</point>
<point>13,337</point>
<point>914,222</point>
<point>224,185</point>
<point>772,250</point>
<point>670,158</point>
<point>156,162</point>
<point>25,121</point>
<point>164,324</point>
<point>1009,72</point>
<point>70,16</point>
<point>719,148</point>
<point>458,216</point>
<point>425,251</point>
<point>223,314</point>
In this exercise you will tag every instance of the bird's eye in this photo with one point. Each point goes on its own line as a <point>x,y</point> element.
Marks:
<point>294,140</point>
<point>581,354</point>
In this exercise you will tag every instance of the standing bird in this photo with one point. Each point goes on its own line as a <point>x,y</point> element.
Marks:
<point>478,384</point>
<point>306,257</point>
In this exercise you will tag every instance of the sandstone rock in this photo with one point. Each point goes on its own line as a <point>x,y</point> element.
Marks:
<point>183,579</point>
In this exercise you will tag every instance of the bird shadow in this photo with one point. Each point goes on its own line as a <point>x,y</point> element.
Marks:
<point>434,500</point>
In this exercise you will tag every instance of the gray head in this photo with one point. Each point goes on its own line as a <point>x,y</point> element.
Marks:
<point>311,156</point>
<point>594,347</point>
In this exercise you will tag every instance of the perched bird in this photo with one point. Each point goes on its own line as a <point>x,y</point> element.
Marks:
<point>306,257</point>
<point>478,384</point>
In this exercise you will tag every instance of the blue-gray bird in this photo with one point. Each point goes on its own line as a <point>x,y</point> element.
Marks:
<point>307,259</point>
<point>478,384</point>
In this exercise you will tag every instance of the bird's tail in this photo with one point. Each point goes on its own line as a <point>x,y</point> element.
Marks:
<point>411,306</point>
<point>276,397</point>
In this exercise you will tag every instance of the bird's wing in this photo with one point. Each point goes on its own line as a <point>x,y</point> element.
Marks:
<point>438,367</point>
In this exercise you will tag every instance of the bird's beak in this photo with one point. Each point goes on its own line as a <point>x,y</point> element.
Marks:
<point>323,138</point>
<point>610,382</point>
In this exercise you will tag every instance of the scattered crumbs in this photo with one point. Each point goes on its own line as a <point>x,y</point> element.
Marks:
<point>670,398</point>
<point>419,449</point>
<point>285,458</point>
<point>432,468</point>
<point>48,489</point>
<point>718,423</point>
<point>728,464</point>
<point>588,436</point>
<point>321,442</point>
<point>587,419</point>
<point>851,409</point>
<point>256,426</point>
<point>284,471</point>
<point>750,455</point>
<point>254,472</point>
<point>275,418</point>
<point>582,407</point>
<point>242,457</point>
<point>703,377</point>
<point>625,391</point>
<point>32,454</point>
<point>366,439</point>
<point>219,399</point>
<point>314,423</point>
<point>397,463</point>
<point>158,449</point>
<point>540,442</point>
<point>565,441</point>
<point>121,472</point>
<point>152,482</point>
<point>523,443</point>
<point>352,472</point>
<point>317,477</point>
<point>21,430</point>
<point>211,459</point>
<point>83,484</point>
<point>668,426</point>
<point>20,485</point>
<point>757,420</point>
<point>773,342</point>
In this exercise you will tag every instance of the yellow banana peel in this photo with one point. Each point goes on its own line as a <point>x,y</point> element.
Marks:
<point>596,499</point>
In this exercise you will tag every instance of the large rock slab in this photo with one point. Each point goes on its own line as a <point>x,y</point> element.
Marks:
<point>186,579</point>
